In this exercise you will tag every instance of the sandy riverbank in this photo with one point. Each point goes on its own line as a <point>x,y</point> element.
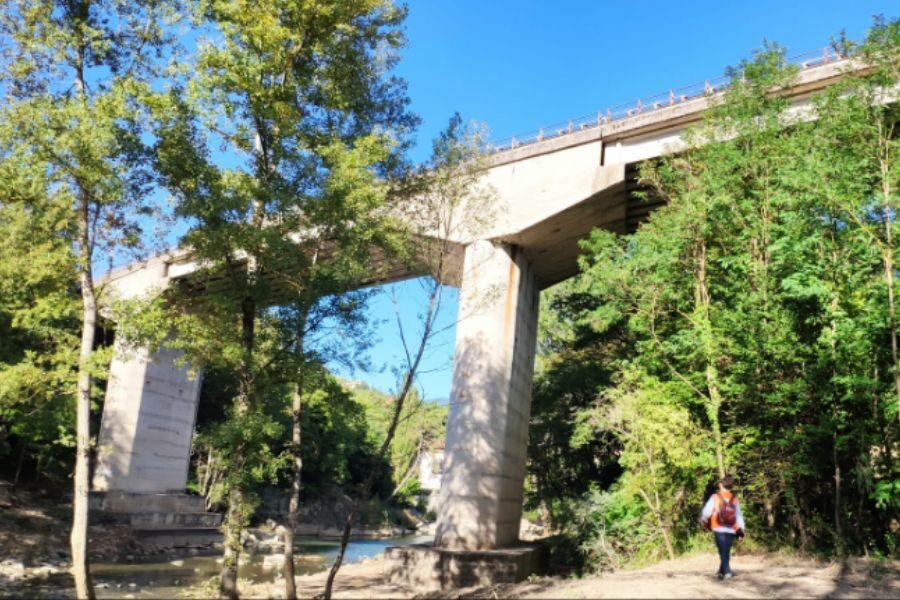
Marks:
<point>758,576</point>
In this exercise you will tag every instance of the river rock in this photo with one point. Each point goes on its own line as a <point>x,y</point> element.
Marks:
<point>249,539</point>
<point>12,569</point>
<point>268,541</point>
<point>272,562</point>
<point>45,570</point>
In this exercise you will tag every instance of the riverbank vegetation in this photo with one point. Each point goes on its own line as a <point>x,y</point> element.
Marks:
<point>748,327</point>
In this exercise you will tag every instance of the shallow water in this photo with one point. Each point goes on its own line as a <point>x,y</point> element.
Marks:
<point>165,577</point>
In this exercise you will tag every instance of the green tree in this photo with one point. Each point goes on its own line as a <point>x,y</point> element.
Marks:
<point>298,99</point>
<point>75,74</point>
<point>758,306</point>
<point>38,322</point>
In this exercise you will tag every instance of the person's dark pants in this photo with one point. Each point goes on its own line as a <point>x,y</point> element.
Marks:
<point>723,543</point>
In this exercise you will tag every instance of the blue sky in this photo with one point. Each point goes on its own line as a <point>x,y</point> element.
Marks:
<point>518,66</point>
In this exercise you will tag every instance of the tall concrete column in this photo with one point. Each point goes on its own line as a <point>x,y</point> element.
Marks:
<point>148,421</point>
<point>490,402</point>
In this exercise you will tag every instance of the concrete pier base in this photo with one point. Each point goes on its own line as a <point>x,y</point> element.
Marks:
<point>158,520</point>
<point>427,568</point>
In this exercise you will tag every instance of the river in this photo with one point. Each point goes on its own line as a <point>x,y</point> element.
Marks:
<point>165,577</point>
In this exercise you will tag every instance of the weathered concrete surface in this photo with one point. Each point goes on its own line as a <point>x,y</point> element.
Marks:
<point>148,422</point>
<point>427,568</point>
<point>125,502</point>
<point>487,431</point>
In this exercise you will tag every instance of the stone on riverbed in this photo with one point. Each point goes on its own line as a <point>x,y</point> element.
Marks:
<point>272,562</point>
<point>13,570</point>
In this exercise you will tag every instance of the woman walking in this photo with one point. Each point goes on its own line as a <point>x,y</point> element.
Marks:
<point>722,515</point>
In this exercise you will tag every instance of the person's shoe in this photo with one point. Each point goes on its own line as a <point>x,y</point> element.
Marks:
<point>727,576</point>
<point>720,576</point>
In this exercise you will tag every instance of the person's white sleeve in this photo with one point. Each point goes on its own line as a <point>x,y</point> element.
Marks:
<point>739,517</point>
<point>707,512</point>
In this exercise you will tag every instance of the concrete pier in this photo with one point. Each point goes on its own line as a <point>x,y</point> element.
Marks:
<point>477,541</point>
<point>148,421</point>
<point>487,431</point>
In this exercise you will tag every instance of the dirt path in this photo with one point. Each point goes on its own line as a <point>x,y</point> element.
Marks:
<point>758,576</point>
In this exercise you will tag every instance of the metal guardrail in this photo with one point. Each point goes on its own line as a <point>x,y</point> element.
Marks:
<point>642,106</point>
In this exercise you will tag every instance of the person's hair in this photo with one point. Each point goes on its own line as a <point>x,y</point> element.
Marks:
<point>727,482</point>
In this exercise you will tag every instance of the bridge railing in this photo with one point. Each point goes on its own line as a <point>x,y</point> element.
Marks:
<point>642,106</point>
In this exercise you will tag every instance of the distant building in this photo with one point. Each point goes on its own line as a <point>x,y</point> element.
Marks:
<point>430,470</point>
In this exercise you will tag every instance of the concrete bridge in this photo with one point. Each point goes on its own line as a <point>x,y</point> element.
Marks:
<point>551,193</point>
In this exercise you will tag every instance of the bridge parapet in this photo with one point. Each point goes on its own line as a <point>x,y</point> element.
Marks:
<point>814,66</point>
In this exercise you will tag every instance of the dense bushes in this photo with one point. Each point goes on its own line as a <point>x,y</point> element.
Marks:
<point>749,326</point>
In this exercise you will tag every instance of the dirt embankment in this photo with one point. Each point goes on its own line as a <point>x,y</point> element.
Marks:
<point>34,536</point>
<point>758,576</point>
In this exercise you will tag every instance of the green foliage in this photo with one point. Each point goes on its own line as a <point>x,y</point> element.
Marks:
<point>421,425</point>
<point>747,327</point>
<point>76,78</point>
<point>38,333</point>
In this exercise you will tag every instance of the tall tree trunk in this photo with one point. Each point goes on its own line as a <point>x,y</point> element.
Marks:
<point>290,586</point>
<point>235,516</point>
<point>232,529</point>
<point>703,301</point>
<point>78,540</point>
<point>287,569</point>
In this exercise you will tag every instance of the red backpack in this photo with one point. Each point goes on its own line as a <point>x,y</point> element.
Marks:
<point>726,515</point>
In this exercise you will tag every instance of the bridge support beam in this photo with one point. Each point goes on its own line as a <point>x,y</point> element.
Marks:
<point>487,432</point>
<point>148,421</point>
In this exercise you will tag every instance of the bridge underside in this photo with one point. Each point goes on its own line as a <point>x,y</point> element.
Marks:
<point>151,400</point>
